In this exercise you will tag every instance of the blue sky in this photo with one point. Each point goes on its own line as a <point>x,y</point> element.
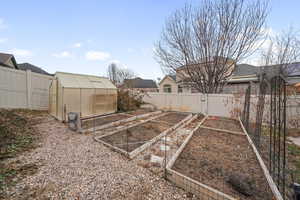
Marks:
<point>85,36</point>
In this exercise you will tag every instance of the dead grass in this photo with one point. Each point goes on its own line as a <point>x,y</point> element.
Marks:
<point>16,136</point>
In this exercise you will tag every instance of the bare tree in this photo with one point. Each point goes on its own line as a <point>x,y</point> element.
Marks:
<point>112,73</point>
<point>117,74</point>
<point>284,49</point>
<point>279,60</point>
<point>206,42</point>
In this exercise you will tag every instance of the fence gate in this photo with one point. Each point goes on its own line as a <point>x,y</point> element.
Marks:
<point>277,157</point>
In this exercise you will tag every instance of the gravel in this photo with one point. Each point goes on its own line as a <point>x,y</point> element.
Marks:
<point>74,166</point>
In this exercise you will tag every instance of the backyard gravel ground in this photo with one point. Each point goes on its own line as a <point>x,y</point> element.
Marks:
<point>74,166</point>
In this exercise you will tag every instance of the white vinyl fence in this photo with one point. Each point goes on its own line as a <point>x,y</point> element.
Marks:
<point>212,104</point>
<point>24,89</point>
<point>226,105</point>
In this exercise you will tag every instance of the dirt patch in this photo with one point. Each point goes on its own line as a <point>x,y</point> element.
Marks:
<point>173,141</point>
<point>103,120</point>
<point>172,118</point>
<point>223,123</point>
<point>138,112</point>
<point>17,135</point>
<point>135,137</point>
<point>217,158</point>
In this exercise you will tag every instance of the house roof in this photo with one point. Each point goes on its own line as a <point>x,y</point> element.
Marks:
<point>4,57</point>
<point>219,59</point>
<point>292,69</point>
<point>33,68</point>
<point>245,70</point>
<point>246,73</point>
<point>69,80</point>
<point>140,83</point>
<point>171,76</point>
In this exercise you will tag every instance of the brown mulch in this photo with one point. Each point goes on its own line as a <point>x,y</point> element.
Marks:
<point>223,123</point>
<point>212,157</point>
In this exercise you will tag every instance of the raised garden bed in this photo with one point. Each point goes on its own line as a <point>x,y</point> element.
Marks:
<point>113,120</point>
<point>166,147</point>
<point>98,121</point>
<point>225,163</point>
<point>223,123</point>
<point>135,136</point>
<point>132,140</point>
<point>138,112</point>
<point>172,118</point>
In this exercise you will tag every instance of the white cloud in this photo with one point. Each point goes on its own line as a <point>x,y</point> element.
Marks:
<point>3,40</point>
<point>77,45</point>
<point>64,54</point>
<point>21,52</point>
<point>97,55</point>
<point>2,24</point>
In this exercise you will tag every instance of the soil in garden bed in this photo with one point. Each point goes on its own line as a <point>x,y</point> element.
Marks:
<point>136,136</point>
<point>223,123</point>
<point>103,120</point>
<point>225,162</point>
<point>138,112</point>
<point>172,118</point>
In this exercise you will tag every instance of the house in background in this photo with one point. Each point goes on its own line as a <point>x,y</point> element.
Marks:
<point>180,82</point>
<point>242,75</point>
<point>139,84</point>
<point>33,68</point>
<point>169,85</point>
<point>8,60</point>
<point>245,74</point>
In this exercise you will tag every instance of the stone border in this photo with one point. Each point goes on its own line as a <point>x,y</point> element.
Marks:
<point>116,123</point>
<point>138,150</point>
<point>270,181</point>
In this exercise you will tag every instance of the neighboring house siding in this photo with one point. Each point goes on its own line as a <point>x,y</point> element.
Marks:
<point>10,63</point>
<point>168,81</point>
<point>239,88</point>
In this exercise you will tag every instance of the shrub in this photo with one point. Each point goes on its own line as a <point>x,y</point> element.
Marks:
<point>129,100</point>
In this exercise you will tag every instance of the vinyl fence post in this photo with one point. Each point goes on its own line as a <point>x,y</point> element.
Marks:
<point>28,88</point>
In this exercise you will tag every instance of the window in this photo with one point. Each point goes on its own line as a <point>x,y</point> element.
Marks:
<point>167,88</point>
<point>179,89</point>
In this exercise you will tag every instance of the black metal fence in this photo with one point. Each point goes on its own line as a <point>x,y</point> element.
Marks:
<point>277,127</point>
<point>269,135</point>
